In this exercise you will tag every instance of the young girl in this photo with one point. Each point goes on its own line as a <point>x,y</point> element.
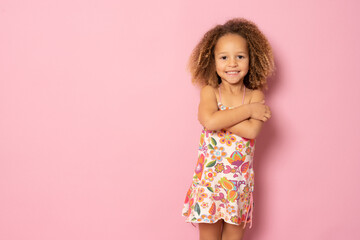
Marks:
<point>231,62</point>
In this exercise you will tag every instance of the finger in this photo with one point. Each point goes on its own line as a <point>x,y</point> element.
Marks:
<point>267,116</point>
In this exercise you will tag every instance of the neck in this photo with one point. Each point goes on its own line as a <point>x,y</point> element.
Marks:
<point>232,88</point>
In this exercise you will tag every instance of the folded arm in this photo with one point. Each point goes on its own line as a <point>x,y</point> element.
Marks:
<point>250,128</point>
<point>212,119</point>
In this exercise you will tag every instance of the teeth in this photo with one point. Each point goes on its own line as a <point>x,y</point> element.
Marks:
<point>232,72</point>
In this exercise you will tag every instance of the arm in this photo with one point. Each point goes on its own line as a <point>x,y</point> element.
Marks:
<point>251,128</point>
<point>212,119</point>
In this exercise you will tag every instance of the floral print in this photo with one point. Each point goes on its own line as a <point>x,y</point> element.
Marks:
<point>240,145</point>
<point>199,167</point>
<point>226,137</point>
<point>204,205</point>
<point>217,153</point>
<point>210,174</point>
<point>205,184</point>
<point>248,151</point>
<point>223,181</point>
<point>201,195</point>
<point>219,167</point>
<point>230,209</point>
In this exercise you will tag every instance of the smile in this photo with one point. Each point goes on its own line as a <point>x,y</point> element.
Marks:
<point>232,72</point>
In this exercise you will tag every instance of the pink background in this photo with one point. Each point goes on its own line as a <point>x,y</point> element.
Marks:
<point>98,125</point>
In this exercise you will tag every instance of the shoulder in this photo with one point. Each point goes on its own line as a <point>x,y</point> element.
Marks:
<point>257,95</point>
<point>208,96</point>
<point>208,91</point>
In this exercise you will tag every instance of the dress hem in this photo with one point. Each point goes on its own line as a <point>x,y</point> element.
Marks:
<point>227,221</point>
<point>250,221</point>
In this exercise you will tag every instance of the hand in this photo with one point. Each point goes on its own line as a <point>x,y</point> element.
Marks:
<point>260,111</point>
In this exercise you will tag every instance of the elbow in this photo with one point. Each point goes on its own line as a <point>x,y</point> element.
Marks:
<point>254,130</point>
<point>247,134</point>
<point>244,133</point>
<point>205,122</point>
<point>250,133</point>
<point>254,133</point>
<point>208,124</point>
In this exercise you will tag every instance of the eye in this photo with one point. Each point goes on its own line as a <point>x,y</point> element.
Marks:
<point>223,57</point>
<point>241,57</point>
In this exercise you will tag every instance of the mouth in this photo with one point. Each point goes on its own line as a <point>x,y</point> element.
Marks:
<point>232,72</point>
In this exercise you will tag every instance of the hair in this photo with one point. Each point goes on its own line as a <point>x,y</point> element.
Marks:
<point>261,65</point>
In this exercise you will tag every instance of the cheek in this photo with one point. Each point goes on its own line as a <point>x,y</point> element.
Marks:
<point>246,65</point>
<point>219,66</point>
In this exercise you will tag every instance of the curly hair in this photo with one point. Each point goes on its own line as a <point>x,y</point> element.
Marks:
<point>261,65</point>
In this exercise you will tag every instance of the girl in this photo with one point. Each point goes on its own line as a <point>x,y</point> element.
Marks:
<point>231,62</point>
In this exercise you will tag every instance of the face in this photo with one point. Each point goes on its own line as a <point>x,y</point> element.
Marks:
<point>231,58</point>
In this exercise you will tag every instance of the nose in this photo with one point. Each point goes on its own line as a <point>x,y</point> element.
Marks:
<point>232,62</point>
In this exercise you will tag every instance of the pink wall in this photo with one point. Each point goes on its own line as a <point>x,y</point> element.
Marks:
<point>98,126</point>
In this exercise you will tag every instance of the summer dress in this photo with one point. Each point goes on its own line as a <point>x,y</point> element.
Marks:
<point>223,182</point>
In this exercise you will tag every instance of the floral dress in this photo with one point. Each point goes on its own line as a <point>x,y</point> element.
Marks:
<point>223,182</point>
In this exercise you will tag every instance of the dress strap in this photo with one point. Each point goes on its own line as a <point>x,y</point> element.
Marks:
<point>219,94</point>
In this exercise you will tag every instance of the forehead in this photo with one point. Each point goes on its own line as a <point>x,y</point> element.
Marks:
<point>231,42</point>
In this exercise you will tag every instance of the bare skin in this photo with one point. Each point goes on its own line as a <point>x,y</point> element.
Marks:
<point>243,120</point>
<point>210,231</point>
<point>221,231</point>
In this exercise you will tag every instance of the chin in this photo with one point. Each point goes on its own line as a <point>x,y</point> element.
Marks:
<point>234,82</point>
